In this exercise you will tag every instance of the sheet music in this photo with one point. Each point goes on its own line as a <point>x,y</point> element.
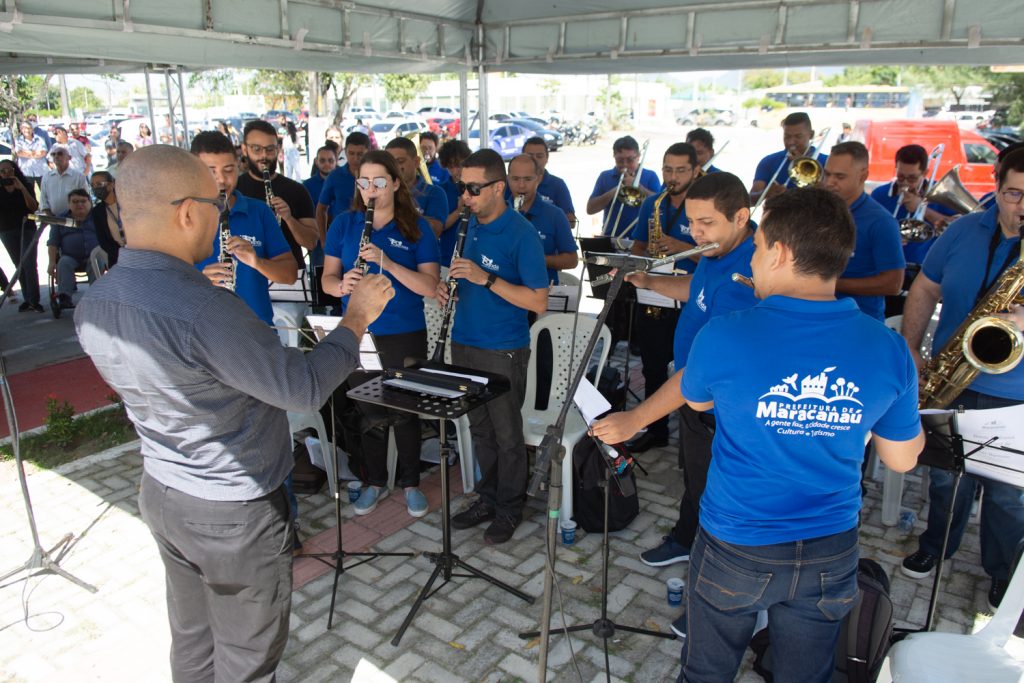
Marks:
<point>423,388</point>
<point>563,298</point>
<point>590,401</point>
<point>649,297</point>
<point>369,359</point>
<point>1006,425</point>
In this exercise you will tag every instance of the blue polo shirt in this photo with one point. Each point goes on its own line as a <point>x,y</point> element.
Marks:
<point>404,313</point>
<point>713,293</point>
<point>713,169</point>
<point>447,240</point>
<point>338,190</point>
<point>508,247</point>
<point>431,200</point>
<point>608,180</point>
<point>956,263</point>
<point>553,230</point>
<point>314,184</point>
<point>680,228</point>
<point>77,243</point>
<point>913,252</point>
<point>438,173</point>
<point>793,417</point>
<point>254,221</point>
<point>553,189</point>
<point>768,165</point>
<point>878,248</point>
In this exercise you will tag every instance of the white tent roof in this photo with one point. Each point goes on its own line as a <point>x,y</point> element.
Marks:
<point>552,36</point>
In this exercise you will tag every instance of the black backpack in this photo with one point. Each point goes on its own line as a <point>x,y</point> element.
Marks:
<point>865,635</point>
<point>588,495</point>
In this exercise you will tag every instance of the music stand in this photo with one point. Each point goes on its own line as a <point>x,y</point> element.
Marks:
<point>427,407</point>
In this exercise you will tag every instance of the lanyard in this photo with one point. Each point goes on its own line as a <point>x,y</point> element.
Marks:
<point>992,246</point>
<point>675,216</point>
<point>117,221</point>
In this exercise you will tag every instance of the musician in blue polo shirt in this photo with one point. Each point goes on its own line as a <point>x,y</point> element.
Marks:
<point>260,251</point>
<point>718,208</point>
<point>340,186</point>
<point>619,219</point>
<point>772,173</point>
<point>552,226</point>
<point>433,204</point>
<point>325,162</point>
<point>429,143</point>
<point>967,259</point>
<point>704,142</point>
<point>451,155</point>
<point>403,247</point>
<point>779,514</point>
<point>501,278</point>
<point>551,188</point>
<point>875,269</point>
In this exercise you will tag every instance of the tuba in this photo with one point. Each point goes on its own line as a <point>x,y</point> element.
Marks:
<point>948,192</point>
<point>982,343</point>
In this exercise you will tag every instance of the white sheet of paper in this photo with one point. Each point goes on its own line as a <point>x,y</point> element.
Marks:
<point>1007,425</point>
<point>590,401</point>
<point>648,297</point>
<point>369,359</point>
<point>473,378</point>
<point>563,298</point>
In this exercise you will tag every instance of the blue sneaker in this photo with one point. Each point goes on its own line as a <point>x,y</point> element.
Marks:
<point>368,499</point>
<point>669,552</point>
<point>415,502</point>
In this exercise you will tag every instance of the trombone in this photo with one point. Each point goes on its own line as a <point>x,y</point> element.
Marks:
<point>630,195</point>
<point>707,164</point>
<point>804,170</point>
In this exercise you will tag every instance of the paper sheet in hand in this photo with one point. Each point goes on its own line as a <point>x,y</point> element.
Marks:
<point>1007,425</point>
<point>369,360</point>
<point>648,297</point>
<point>590,401</point>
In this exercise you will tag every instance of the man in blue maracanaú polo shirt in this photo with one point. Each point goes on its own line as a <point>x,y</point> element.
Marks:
<point>619,219</point>
<point>772,173</point>
<point>552,226</point>
<point>340,186</point>
<point>430,198</point>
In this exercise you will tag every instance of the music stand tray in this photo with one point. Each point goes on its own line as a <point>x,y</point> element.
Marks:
<point>433,407</point>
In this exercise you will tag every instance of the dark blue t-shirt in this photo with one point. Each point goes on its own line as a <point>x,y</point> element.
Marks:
<point>508,247</point>
<point>878,248</point>
<point>798,386</point>
<point>680,228</point>
<point>404,313</point>
<point>338,190</point>
<point>622,216</point>
<point>553,230</point>
<point>768,165</point>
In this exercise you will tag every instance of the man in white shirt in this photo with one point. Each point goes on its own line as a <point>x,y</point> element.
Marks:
<point>59,181</point>
<point>81,158</point>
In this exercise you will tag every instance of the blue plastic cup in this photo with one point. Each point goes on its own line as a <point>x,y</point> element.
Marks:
<point>568,532</point>
<point>675,587</point>
<point>355,489</point>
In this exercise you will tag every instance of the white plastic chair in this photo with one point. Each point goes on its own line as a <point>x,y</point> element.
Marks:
<point>567,278</point>
<point>979,658</point>
<point>299,421</point>
<point>564,361</point>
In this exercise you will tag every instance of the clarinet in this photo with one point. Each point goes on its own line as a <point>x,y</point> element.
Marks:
<point>225,235</point>
<point>449,308</point>
<point>268,188</point>
<point>361,263</point>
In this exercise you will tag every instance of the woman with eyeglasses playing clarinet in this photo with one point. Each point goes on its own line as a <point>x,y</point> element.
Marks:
<point>385,234</point>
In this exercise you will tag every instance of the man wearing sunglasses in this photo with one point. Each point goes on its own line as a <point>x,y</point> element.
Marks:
<point>501,277</point>
<point>207,385</point>
<point>257,244</point>
<point>430,198</point>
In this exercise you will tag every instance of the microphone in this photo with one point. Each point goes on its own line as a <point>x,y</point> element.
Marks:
<point>622,261</point>
<point>53,220</point>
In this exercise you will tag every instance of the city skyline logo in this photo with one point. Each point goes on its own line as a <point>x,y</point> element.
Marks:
<point>488,263</point>
<point>814,387</point>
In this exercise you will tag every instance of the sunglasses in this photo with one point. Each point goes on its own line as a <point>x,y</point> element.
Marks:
<point>380,182</point>
<point>473,189</point>
<point>221,202</point>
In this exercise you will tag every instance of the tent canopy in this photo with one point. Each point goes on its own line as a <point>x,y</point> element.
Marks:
<point>551,36</point>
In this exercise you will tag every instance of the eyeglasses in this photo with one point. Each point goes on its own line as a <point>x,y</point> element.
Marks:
<point>473,189</point>
<point>1012,196</point>
<point>260,149</point>
<point>220,202</point>
<point>100,184</point>
<point>380,182</point>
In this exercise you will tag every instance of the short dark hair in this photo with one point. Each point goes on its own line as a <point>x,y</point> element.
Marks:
<point>404,144</point>
<point>913,154</point>
<point>453,153</point>
<point>1013,162</point>
<point>852,148</point>
<point>490,161</point>
<point>331,144</point>
<point>682,149</point>
<point>728,192</point>
<point>624,143</point>
<point>105,175</point>
<point>79,192</point>
<point>701,135</point>
<point>357,138</point>
<point>260,126</point>
<point>815,224</point>
<point>535,140</point>
<point>211,142</point>
<point>1008,150</point>
<point>428,135</point>
<point>333,149</point>
<point>797,118</point>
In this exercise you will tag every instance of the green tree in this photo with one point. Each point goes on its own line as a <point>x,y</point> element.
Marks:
<point>83,98</point>
<point>866,75</point>
<point>283,89</point>
<point>758,79</point>
<point>400,89</point>
<point>952,79</point>
<point>1008,94</point>
<point>344,86</point>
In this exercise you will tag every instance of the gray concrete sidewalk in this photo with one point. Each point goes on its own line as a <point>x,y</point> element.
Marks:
<point>466,632</point>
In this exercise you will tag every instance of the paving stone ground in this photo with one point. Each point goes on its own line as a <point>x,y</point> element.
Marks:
<point>51,630</point>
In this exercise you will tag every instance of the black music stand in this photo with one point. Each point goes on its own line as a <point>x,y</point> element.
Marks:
<point>433,407</point>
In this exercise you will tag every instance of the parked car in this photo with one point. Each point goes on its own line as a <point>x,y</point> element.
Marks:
<point>274,114</point>
<point>447,112</point>
<point>552,138</point>
<point>507,140</point>
<point>398,114</point>
<point>386,131</point>
<point>706,117</point>
<point>1001,140</point>
<point>973,153</point>
<point>5,151</point>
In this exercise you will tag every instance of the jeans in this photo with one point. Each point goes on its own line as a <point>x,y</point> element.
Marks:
<point>497,428</point>
<point>807,587</point>
<point>15,242</point>
<point>66,268</point>
<point>696,431</point>
<point>654,337</point>
<point>1002,508</point>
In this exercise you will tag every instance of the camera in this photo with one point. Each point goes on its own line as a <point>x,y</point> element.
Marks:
<point>6,182</point>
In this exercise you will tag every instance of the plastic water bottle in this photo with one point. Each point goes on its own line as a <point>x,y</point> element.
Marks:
<point>907,519</point>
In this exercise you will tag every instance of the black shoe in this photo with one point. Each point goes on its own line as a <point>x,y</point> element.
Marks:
<point>501,529</point>
<point>65,301</point>
<point>477,513</point>
<point>996,593</point>
<point>37,307</point>
<point>645,442</point>
<point>919,565</point>
<point>25,306</point>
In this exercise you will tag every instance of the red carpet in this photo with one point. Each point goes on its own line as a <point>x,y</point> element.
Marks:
<point>76,381</point>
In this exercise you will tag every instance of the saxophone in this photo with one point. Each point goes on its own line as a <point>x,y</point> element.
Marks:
<point>654,229</point>
<point>225,255</point>
<point>982,343</point>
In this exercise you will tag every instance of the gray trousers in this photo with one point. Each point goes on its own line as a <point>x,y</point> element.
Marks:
<point>497,428</point>
<point>66,268</point>
<point>229,581</point>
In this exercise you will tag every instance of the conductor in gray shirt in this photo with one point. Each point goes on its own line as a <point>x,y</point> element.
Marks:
<point>207,384</point>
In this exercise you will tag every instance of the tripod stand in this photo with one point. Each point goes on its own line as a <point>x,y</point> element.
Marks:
<point>441,409</point>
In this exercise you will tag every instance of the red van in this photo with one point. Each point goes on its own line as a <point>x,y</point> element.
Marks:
<point>973,153</point>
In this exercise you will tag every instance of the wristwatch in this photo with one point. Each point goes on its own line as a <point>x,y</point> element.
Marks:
<point>490,280</point>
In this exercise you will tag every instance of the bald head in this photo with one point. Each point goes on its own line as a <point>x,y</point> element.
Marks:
<point>153,177</point>
<point>524,163</point>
